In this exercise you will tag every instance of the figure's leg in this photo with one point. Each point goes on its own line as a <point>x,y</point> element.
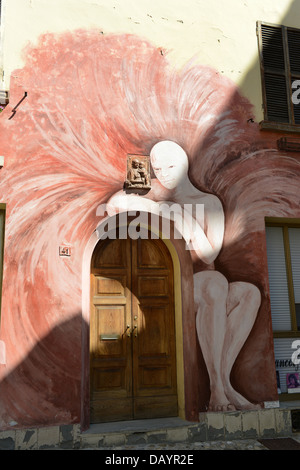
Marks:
<point>210,294</point>
<point>243,302</point>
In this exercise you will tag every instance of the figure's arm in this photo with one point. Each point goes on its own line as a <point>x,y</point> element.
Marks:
<point>203,231</point>
<point>205,237</point>
<point>122,202</point>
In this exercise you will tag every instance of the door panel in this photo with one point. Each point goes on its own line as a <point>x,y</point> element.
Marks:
<point>149,254</point>
<point>112,285</point>
<point>110,347</point>
<point>147,285</point>
<point>133,363</point>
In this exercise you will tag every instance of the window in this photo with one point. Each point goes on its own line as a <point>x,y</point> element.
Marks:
<point>2,226</point>
<point>283,253</point>
<point>283,249</point>
<point>280,69</point>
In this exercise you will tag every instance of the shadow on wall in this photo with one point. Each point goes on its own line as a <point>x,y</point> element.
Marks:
<point>45,388</point>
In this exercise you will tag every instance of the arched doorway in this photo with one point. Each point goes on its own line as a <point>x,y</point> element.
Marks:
<point>132,331</point>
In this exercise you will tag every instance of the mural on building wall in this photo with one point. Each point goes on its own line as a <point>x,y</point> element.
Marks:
<point>225,312</point>
<point>91,101</point>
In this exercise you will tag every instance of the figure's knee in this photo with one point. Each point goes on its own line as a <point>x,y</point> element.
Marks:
<point>254,295</point>
<point>246,293</point>
<point>209,287</point>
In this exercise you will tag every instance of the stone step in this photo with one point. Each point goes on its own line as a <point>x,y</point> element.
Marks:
<point>148,431</point>
<point>267,423</point>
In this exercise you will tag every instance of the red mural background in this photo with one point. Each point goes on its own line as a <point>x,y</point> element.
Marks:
<point>91,100</point>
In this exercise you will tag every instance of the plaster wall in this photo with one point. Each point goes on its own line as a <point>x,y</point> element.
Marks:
<point>216,33</point>
<point>103,80</point>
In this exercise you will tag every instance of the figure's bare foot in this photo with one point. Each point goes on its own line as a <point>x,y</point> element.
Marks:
<point>219,401</point>
<point>221,407</point>
<point>228,399</point>
<point>240,402</point>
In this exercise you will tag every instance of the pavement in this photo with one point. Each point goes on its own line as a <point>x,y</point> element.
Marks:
<point>242,444</point>
<point>121,454</point>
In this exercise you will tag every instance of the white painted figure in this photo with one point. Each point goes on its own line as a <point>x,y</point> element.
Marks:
<point>225,312</point>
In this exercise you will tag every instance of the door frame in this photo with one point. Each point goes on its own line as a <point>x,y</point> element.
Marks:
<point>185,330</point>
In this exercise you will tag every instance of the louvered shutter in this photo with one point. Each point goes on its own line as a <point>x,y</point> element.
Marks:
<point>279,295</point>
<point>280,65</point>
<point>294,238</point>
<point>274,74</point>
<point>294,62</point>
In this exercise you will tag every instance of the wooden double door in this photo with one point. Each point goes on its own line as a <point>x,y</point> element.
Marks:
<point>132,331</point>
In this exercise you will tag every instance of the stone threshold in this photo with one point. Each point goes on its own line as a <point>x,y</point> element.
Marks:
<point>235,425</point>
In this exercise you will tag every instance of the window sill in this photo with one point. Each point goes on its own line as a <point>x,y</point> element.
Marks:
<point>279,127</point>
<point>286,334</point>
<point>289,396</point>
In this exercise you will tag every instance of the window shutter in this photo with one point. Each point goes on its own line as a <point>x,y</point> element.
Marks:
<point>276,99</point>
<point>294,237</point>
<point>279,296</point>
<point>274,74</point>
<point>272,41</point>
<point>294,45</point>
<point>293,37</point>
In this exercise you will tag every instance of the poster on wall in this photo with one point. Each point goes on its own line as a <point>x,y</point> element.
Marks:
<point>292,383</point>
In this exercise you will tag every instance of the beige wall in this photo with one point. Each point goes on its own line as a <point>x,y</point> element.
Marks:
<point>218,33</point>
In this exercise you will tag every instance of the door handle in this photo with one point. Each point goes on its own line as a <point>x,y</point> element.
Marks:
<point>134,329</point>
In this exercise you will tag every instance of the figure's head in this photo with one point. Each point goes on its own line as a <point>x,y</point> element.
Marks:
<point>170,163</point>
<point>135,163</point>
